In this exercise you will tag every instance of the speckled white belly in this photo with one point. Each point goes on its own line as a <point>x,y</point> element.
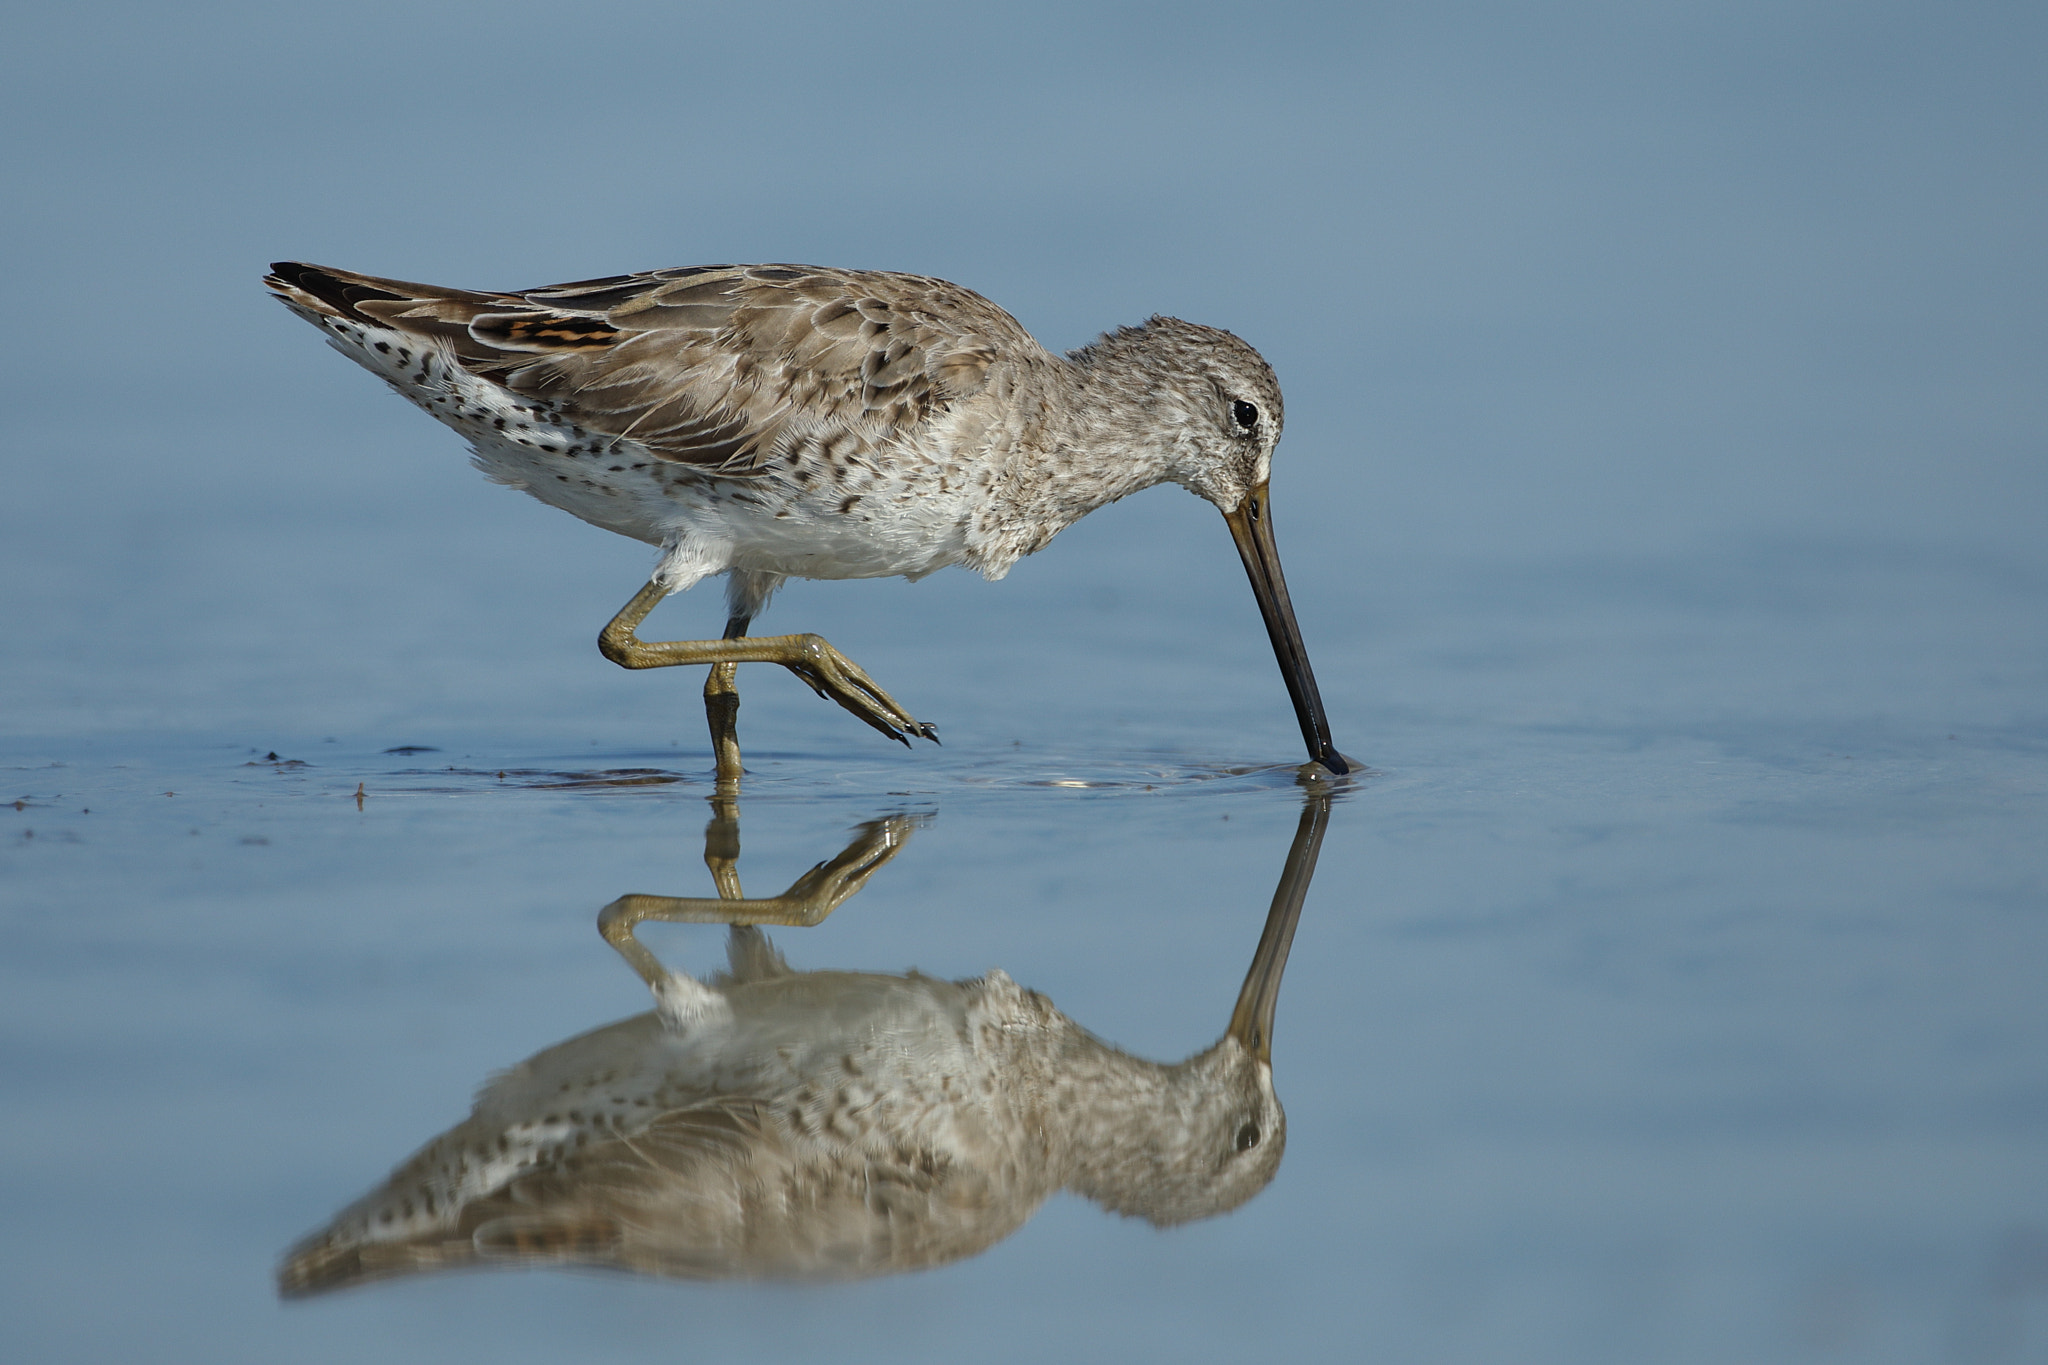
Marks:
<point>861,523</point>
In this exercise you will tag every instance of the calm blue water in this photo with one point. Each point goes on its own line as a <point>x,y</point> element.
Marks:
<point>1661,497</point>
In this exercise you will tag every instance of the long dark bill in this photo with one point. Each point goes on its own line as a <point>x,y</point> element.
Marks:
<point>1251,1023</point>
<point>1251,526</point>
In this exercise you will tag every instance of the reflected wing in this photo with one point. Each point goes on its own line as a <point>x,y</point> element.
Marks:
<point>579,1206</point>
<point>713,1191</point>
<point>713,366</point>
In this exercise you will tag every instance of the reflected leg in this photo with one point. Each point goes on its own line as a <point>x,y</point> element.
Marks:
<point>808,901</point>
<point>722,847</point>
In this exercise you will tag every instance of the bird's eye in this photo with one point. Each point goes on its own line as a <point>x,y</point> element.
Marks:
<point>1246,416</point>
<point>1247,1136</point>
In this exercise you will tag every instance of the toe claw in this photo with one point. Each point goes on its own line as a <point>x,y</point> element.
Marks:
<point>837,678</point>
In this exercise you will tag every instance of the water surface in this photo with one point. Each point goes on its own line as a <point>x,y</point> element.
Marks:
<point>1661,497</point>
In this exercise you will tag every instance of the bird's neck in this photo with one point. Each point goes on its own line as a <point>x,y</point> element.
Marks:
<point>1123,420</point>
<point>1128,1121</point>
<point>1104,431</point>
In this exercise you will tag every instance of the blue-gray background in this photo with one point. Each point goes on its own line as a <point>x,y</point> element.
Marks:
<point>1663,493</point>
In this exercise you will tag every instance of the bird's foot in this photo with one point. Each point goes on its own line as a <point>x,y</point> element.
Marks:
<point>834,676</point>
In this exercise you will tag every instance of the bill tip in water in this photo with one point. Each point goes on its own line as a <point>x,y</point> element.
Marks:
<point>1330,763</point>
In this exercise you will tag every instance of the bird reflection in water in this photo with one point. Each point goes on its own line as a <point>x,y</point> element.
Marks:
<point>775,1123</point>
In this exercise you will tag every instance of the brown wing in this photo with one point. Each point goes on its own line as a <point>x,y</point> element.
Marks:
<point>708,365</point>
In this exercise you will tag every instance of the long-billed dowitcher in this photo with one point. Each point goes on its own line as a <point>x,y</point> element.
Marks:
<point>807,1124</point>
<point>768,422</point>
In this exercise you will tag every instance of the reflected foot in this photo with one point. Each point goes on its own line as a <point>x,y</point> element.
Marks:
<point>809,899</point>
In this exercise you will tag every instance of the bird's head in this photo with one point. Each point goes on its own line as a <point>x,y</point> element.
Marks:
<point>1215,1140</point>
<point>1216,403</point>
<point>1213,400</point>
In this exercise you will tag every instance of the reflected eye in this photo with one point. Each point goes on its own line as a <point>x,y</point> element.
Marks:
<point>1246,415</point>
<point>1247,1137</point>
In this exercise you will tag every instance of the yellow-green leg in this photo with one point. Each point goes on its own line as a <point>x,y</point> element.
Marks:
<point>829,673</point>
<point>722,714</point>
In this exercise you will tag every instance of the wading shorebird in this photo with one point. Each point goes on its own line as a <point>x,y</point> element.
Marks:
<point>776,421</point>
<point>771,1123</point>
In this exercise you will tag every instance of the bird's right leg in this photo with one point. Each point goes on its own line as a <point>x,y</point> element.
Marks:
<point>829,673</point>
<point>722,713</point>
<point>809,899</point>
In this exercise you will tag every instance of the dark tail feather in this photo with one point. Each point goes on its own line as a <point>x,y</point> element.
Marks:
<point>339,291</point>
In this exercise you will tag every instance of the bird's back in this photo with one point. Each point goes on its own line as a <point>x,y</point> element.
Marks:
<point>791,419</point>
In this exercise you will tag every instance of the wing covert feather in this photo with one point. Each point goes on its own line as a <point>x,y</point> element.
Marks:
<point>721,367</point>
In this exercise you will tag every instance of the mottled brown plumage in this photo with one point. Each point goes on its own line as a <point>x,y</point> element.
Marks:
<point>772,421</point>
<point>720,367</point>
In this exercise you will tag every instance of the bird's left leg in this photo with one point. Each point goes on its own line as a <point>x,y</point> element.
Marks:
<point>829,673</point>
